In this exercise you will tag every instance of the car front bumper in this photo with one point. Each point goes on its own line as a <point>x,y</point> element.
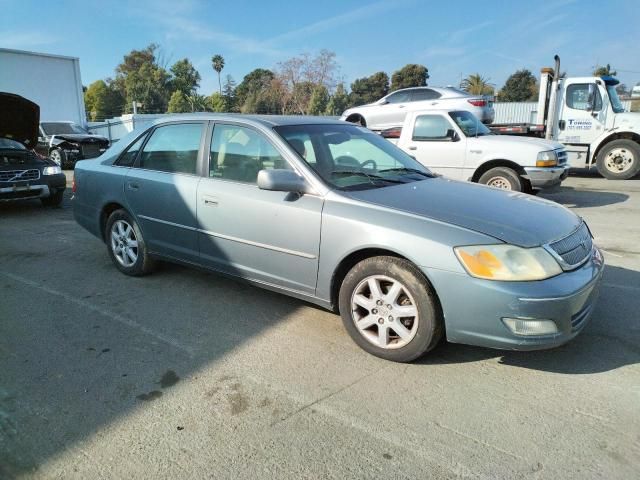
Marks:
<point>546,177</point>
<point>43,187</point>
<point>474,308</point>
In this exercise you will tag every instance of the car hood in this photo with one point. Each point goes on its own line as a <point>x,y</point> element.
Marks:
<point>19,119</point>
<point>517,142</point>
<point>81,138</point>
<point>512,217</point>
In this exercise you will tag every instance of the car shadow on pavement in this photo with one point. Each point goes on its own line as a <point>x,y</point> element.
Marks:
<point>611,340</point>
<point>583,197</point>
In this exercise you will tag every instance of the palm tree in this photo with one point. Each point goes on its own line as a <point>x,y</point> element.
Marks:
<point>476,84</point>
<point>217,62</point>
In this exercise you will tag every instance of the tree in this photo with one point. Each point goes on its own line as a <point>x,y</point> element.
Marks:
<point>369,89</point>
<point>604,71</point>
<point>217,102</point>
<point>319,100</point>
<point>198,103</point>
<point>476,84</point>
<point>229,94</point>
<point>254,83</point>
<point>519,87</point>
<point>102,101</point>
<point>139,78</point>
<point>178,103</point>
<point>411,75</point>
<point>185,77</point>
<point>338,102</point>
<point>217,62</point>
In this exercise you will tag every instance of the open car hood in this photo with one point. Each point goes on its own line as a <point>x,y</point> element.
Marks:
<point>19,119</point>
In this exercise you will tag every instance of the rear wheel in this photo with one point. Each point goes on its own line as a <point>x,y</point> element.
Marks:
<point>619,160</point>
<point>504,178</point>
<point>390,310</point>
<point>126,246</point>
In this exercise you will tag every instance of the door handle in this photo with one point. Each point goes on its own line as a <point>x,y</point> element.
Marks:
<point>412,147</point>
<point>400,106</point>
<point>211,201</point>
<point>133,186</point>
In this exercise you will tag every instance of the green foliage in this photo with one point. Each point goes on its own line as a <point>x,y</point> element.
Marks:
<point>338,102</point>
<point>217,102</point>
<point>411,75</point>
<point>178,103</point>
<point>185,77</point>
<point>369,89</point>
<point>319,100</point>
<point>102,101</point>
<point>217,63</point>
<point>198,103</point>
<point>229,94</point>
<point>519,87</point>
<point>603,71</point>
<point>254,84</point>
<point>476,84</point>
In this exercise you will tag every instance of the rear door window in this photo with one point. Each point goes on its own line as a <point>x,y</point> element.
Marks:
<point>173,148</point>
<point>128,158</point>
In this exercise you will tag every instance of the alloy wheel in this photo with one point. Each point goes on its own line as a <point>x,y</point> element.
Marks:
<point>124,243</point>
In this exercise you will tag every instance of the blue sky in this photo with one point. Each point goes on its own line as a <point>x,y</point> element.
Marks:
<point>452,39</point>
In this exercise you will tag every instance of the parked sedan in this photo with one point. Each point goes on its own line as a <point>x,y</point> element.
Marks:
<point>67,142</point>
<point>390,111</point>
<point>338,216</point>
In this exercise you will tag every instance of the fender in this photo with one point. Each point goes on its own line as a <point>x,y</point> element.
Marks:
<point>611,134</point>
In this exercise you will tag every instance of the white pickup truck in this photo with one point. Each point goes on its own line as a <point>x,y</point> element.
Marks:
<point>456,144</point>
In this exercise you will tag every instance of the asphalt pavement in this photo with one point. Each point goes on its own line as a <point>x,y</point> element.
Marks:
<point>186,374</point>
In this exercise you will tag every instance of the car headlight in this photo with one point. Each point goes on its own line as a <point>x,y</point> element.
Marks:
<point>507,262</point>
<point>51,170</point>
<point>547,159</point>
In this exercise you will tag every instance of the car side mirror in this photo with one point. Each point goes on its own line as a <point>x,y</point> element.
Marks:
<point>452,135</point>
<point>280,180</point>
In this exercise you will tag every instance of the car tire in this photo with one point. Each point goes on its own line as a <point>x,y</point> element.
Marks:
<point>619,160</point>
<point>53,200</point>
<point>58,156</point>
<point>504,178</point>
<point>126,245</point>
<point>399,329</point>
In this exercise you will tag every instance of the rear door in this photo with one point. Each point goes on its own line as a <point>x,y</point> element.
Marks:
<point>161,188</point>
<point>271,237</point>
<point>430,140</point>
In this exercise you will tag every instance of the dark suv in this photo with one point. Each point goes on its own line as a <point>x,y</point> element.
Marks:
<point>66,142</point>
<point>23,173</point>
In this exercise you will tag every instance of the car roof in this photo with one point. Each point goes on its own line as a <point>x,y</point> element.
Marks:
<point>263,120</point>
<point>443,90</point>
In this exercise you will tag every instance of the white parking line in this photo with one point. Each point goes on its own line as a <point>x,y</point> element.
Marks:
<point>106,313</point>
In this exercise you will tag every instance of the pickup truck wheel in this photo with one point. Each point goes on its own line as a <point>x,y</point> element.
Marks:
<point>504,178</point>
<point>126,246</point>
<point>619,160</point>
<point>53,200</point>
<point>390,310</point>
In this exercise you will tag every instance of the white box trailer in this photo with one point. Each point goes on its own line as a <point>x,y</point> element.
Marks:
<point>51,81</point>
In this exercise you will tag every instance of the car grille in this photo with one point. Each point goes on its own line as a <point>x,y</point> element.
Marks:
<point>575,248</point>
<point>19,175</point>
<point>562,156</point>
<point>90,150</point>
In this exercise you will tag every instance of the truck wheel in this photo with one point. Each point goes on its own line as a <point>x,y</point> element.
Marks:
<point>53,200</point>
<point>126,246</point>
<point>390,310</point>
<point>504,178</point>
<point>58,156</point>
<point>619,160</point>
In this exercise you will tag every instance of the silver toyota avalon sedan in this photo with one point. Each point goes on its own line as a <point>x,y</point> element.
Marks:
<point>333,214</point>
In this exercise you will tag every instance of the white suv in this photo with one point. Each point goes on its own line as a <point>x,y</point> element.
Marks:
<point>390,111</point>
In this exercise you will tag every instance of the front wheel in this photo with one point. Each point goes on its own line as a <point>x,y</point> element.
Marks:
<point>390,310</point>
<point>126,246</point>
<point>504,178</point>
<point>619,160</point>
<point>58,156</point>
<point>54,199</point>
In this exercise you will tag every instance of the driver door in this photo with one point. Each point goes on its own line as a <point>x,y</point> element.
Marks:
<point>583,114</point>
<point>392,112</point>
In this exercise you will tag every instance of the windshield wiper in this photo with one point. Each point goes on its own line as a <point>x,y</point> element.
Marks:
<point>409,170</point>
<point>370,176</point>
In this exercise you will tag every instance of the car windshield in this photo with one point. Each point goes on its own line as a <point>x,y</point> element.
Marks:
<point>8,144</point>
<point>616,104</point>
<point>348,157</point>
<point>469,124</point>
<point>62,128</point>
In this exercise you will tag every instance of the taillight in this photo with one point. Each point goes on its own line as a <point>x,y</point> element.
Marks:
<point>478,103</point>
<point>73,184</point>
<point>391,133</point>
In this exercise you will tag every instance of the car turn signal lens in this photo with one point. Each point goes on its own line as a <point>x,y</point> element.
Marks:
<point>546,163</point>
<point>507,263</point>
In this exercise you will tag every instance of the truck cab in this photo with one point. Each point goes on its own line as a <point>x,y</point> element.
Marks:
<point>456,144</point>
